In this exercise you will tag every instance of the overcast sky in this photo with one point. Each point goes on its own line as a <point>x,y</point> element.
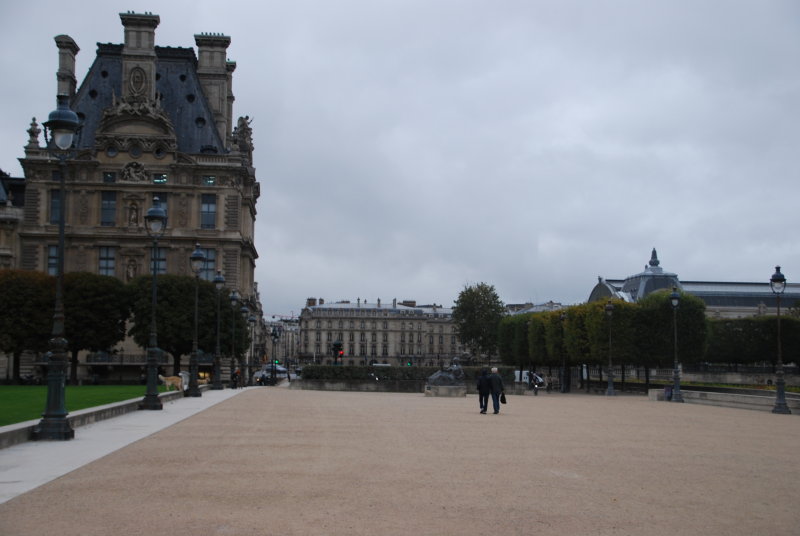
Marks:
<point>408,148</point>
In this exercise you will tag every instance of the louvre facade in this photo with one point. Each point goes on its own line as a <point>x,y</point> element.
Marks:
<point>155,122</point>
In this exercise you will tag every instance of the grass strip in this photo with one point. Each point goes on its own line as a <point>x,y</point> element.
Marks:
<point>20,403</point>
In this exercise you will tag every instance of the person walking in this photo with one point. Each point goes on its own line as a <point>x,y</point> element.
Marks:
<point>496,384</point>
<point>484,388</point>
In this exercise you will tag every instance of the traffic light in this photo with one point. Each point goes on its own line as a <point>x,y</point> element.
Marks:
<point>408,364</point>
<point>338,350</point>
<point>277,361</point>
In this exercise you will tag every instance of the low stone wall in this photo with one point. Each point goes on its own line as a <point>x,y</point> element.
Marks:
<point>446,390</point>
<point>382,386</point>
<point>763,402</point>
<point>14,434</point>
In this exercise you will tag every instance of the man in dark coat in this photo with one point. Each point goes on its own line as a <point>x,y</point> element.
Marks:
<point>496,383</point>
<point>484,388</point>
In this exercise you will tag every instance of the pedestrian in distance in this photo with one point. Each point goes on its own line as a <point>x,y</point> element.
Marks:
<point>497,388</point>
<point>484,389</point>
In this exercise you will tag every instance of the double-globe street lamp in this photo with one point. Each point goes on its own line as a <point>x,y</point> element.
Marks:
<point>197,259</point>
<point>155,222</point>
<point>778,284</point>
<point>675,300</point>
<point>609,308</point>
<point>62,125</point>
<point>219,282</point>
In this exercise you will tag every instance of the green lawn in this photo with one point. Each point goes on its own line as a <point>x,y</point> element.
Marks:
<point>25,402</point>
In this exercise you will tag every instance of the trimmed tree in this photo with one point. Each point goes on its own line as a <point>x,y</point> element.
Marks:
<point>175,317</point>
<point>96,308</point>
<point>26,314</point>
<point>476,315</point>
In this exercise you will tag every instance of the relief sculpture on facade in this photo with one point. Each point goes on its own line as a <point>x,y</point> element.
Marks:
<point>134,172</point>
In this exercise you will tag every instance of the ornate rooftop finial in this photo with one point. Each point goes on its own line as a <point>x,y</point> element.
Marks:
<point>654,258</point>
<point>33,135</point>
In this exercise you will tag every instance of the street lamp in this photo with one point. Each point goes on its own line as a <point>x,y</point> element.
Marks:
<point>675,300</point>
<point>276,335</point>
<point>234,303</point>
<point>563,385</point>
<point>247,369</point>
<point>778,284</point>
<point>62,126</point>
<point>609,313</point>
<point>252,320</point>
<point>197,259</point>
<point>219,282</point>
<point>155,222</point>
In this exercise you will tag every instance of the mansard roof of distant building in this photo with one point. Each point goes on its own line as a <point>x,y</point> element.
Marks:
<point>178,89</point>
<point>535,308</point>
<point>713,293</point>
<point>12,190</point>
<point>393,307</point>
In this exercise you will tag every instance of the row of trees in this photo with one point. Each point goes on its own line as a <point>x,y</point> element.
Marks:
<point>99,308</point>
<point>641,334</point>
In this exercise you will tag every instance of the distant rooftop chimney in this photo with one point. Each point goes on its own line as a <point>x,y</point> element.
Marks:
<point>139,56</point>
<point>67,50</point>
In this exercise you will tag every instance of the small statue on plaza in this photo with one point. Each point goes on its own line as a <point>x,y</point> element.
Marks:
<point>452,375</point>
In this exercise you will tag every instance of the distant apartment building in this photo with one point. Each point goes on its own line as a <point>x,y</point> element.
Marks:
<point>389,333</point>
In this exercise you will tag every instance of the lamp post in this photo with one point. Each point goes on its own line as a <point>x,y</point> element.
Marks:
<point>276,335</point>
<point>216,385</point>
<point>62,125</point>
<point>252,320</point>
<point>247,365</point>
<point>778,284</point>
<point>563,384</point>
<point>675,300</point>
<point>609,313</point>
<point>234,303</point>
<point>155,221</point>
<point>197,259</point>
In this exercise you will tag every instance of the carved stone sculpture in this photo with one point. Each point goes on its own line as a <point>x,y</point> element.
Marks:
<point>453,375</point>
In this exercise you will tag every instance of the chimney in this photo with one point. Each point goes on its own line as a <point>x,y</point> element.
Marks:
<point>139,56</point>
<point>215,74</point>
<point>322,301</point>
<point>311,302</point>
<point>379,302</point>
<point>67,50</point>
<point>394,303</point>
<point>230,67</point>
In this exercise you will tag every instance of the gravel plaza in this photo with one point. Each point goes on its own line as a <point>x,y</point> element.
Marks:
<point>290,462</point>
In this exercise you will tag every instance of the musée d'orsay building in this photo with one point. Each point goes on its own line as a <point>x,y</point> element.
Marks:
<point>156,121</point>
<point>722,299</point>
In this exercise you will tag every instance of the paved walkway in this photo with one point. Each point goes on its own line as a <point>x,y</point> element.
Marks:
<point>29,465</point>
<point>287,462</point>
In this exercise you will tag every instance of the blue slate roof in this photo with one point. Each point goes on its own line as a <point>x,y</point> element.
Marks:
<point>177,85</point>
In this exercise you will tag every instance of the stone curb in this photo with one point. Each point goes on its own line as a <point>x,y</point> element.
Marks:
<point>14,434</point>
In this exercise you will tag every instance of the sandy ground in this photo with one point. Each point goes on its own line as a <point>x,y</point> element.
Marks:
<point>285,462</point>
